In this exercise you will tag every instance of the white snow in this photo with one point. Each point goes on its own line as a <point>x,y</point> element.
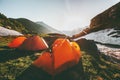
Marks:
<point>8,32</point>
<point>112,52</point>
<point>102,36</point>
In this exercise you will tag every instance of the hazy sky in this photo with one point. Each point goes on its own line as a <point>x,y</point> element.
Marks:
<point>60,14</point>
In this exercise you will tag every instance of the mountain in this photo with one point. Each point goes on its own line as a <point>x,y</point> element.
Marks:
<point>33,27</point>
<point>72,32</point>
<point>26,26</point>
<point>8,32</point>
<point>11,24</point>
<point>110,18</point>
<point>48,28</point>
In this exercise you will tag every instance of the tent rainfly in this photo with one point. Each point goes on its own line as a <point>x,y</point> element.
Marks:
<point>33,43</point>
<point>64,54</point>
<point>16,42</point>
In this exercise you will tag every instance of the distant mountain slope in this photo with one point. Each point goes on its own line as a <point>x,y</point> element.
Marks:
<point>8,32</point>
<point>72,32</point>
<point>11,24</point>
<point>107,19</point>
<point>49,28</point>
<point>31,26</point>
<point>25,26</point>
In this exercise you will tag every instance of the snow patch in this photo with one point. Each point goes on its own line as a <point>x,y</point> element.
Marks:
<point>112,52</point>
<point>8,32</point>
<point>102,36</point>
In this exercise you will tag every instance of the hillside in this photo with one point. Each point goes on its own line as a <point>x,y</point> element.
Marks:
<point>110,18</point>
<point>11,24</point>
<point>25,26</point>
<point>48,28</point>
<point>107,19</point>
<point>31,26</point>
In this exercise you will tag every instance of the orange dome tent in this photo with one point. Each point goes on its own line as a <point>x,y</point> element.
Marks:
<point>16,42</point>
<point>64,54</point>
<point>33,43</point>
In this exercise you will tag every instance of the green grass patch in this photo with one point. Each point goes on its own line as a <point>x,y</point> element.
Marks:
<point>103,69</point>
<point>12,68</point>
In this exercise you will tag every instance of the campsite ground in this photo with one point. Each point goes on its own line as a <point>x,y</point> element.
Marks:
<point>13,63</point>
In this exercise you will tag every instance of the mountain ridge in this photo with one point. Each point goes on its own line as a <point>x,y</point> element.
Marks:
<point>53,30</point>
<point>109,18</point>
<point>25,26</point>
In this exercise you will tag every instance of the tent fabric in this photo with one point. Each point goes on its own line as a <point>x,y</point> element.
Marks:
<point>33,43</point>
<point>16,42</point>
<point>64,54</point>
<point>45,62</point>
<point>76,49</point>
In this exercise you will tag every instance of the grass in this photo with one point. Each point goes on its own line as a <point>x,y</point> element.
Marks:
<point>94,69</point>
<point>9,69</point>
<point>12,68</point>
<point>100,69</point>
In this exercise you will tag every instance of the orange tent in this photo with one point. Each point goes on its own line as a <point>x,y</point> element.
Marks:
<point>16,42</point>
<point>45,61</point>
<point>64,54</point>
<point>33,43</point>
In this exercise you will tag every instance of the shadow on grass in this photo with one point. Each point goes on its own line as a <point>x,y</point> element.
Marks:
<point>34,73</point>
<point>9,54</point>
